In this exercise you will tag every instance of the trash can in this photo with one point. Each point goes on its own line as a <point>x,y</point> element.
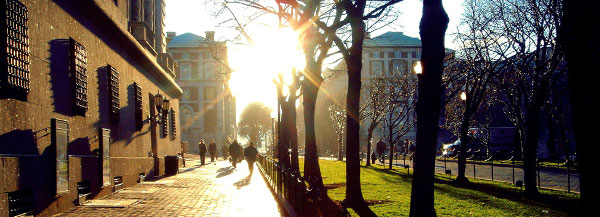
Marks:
<point>171,165</point>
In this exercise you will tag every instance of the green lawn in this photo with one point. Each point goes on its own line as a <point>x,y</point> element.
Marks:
<point>390,191</point>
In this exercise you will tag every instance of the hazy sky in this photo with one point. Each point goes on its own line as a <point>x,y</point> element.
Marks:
<point>250,83</point>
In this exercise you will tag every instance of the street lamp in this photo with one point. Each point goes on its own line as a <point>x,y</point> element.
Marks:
<point>160,102</point>
<point>463,96</point>
<point>418,69</point>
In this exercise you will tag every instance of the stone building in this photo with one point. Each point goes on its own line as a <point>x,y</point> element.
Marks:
<point>207,105</point>
<point>80,82</point>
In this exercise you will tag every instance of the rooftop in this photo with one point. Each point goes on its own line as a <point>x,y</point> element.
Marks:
<point>392,39</point>
<point>190,40</point>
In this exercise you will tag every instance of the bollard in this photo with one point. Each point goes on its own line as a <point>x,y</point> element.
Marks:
<point>474,176</point>
<point>513,168</point>
<point>492,160</point>
<point>568,178</point>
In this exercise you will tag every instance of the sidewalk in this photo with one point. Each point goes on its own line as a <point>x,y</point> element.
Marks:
<point>215,189</point>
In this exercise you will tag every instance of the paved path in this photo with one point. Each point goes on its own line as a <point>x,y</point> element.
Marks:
<point>212,190</point>
<point>551,179</point>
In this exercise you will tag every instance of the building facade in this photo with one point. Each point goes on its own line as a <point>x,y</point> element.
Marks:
<point>207,105</point>
<point>88,101</point>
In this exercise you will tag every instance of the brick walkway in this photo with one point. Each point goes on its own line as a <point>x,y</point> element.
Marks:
<point>212,190</point>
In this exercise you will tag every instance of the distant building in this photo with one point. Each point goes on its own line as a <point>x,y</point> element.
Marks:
<point>207,106</point>
<point>78,116</point>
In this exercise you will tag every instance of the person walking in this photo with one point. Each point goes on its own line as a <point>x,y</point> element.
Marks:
<point>234,152</point>
<point>373,157</point>
<point>224,151</point>
<point>212,150</point>
<point>381,149</point>
<point>202,148</point>
<point>250,154</point>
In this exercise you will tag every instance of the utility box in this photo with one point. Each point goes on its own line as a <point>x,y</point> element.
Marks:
<point>171,165</point>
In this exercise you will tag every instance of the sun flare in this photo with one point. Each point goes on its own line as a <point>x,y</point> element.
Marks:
<point>273,51</point>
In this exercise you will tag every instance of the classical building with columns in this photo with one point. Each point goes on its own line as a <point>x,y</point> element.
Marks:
<point>207,105</point>
<point>88,101</point>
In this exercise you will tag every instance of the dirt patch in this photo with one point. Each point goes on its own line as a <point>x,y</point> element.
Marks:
<point>333,186</point>
<point>375,202</point>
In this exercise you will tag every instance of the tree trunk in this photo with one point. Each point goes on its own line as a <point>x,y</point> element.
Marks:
<point>369,136</point>
<point>530,149</point>
<point>310,88</point>
<point>354,196</point>
<point>461,178</point>
<point>284,154</point>
<point>432,30</point>
<point>582,50</point>
<point>551,137</point>
<point>391,163</point>
<point>293,135</point>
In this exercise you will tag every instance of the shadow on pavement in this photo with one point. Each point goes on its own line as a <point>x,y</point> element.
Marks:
<point>224,171</point>
<point>243,182</point>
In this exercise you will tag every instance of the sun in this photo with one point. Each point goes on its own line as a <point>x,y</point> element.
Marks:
<point>273,51</point>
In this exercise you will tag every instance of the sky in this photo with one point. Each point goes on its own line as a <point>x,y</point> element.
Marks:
<point>251,81</point>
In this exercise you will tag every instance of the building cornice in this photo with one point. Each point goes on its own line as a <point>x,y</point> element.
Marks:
<point>127,42</point>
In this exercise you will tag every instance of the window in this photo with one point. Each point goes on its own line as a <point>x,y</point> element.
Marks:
<point>400,66</point>
<point>185,70</point>
<point>209,93</point>
<point>177,56</point>
<point>404,54</point>
<point>14,76</point>
<point>413,55</point>
<point>195,73</point>
<point>186,119</point>
<point>78,68</point>
<point>210,118</point>
<point>187,95</point>
<point>376,68</point>
<point>391,55</point>
<point>186,56</point>
<point>139,116</point>
<point>113,95</point>
<point>194,56</point>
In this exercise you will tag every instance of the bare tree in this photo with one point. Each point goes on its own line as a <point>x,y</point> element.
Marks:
<point>338,115</point>
<point>399,117</point>
<point>373,109</point>
<point>531,29</point>
<point>481,44</point>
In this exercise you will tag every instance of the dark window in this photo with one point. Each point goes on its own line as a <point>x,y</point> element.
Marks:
<point>173,126</point>
<point>413,54</point>
<point>391,55</point>
<point>381,55</point>
<point>14,76</point>
<point>404,55</point>
<point>193,56</point>
<point>370,55</point>
<point>139,119</point>
<point>113,95</point>
<point>78,68</point>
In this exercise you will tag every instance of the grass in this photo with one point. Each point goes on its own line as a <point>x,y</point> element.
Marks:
<point>389,190</point>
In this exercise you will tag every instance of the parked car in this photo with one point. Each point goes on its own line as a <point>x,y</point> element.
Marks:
<point>451,149</point>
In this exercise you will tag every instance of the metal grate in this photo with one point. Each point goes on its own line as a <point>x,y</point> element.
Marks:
<point>78,67</point>
<point>20,202</point>
<point>118,183</point>
<point>139,117</point>
<point>165,122</point>
<point>14,75</point>
<point>173,126</point>
<point>113,94</point>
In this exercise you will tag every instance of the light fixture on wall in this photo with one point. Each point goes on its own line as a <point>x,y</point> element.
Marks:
<point>160,102</point>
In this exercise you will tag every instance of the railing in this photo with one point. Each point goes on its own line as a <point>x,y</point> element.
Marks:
<point>143,34</point>
<point>290,188</point>
<point>166,61</point>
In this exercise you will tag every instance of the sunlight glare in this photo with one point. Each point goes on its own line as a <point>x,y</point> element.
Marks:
<point>254,67</point>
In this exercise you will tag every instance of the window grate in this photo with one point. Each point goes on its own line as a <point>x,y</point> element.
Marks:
<point>173,126</point>
<point>78,67</point>
<point>14,76</point>
<point>165,122</point>
<point>113,94</point>
<point>139,119</point>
